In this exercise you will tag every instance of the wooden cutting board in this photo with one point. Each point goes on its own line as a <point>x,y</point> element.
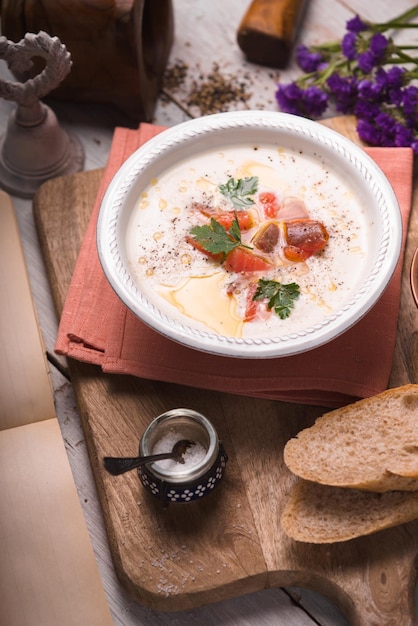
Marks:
<point>229,543</point>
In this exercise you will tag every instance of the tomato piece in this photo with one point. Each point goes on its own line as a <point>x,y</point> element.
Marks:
<point>225,218</point>
<point>309,235</point>
<point>216,257</point>
<point>245,219</point>
<point>295,254</point>
<point>251,307</point>
<point>270,204</point>
<point>243,260</point>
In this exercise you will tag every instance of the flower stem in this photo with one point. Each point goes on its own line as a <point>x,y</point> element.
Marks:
<point>405,57</point>
<point>397,21</point>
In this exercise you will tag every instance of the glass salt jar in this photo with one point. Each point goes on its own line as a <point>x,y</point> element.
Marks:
<point>204,460</point>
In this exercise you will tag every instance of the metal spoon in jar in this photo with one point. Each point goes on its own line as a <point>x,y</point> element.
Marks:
<point>120,465</point>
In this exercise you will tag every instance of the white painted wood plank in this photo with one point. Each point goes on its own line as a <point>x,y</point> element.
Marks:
<point>201,48</point>
<point>380,11</point>
<point>318,606</point>
<point>41,291</point>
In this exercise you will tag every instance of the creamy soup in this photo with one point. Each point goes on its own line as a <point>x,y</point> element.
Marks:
<point>193,284</point>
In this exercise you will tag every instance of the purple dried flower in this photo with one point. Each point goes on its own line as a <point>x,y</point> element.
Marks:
<point>356,25</point>
<point>310,102</point>
<point>375,55</point>
<point>366,110</point>
<point>390,83</point>
<point>366,61</point>
<point>307,60</point>
<point>315,101</point>
<point>289,97</point>
<point>410,102</point>
<point>394,97</point>
<point>370,91</point>
<point>361,75</point>
<point>348,46</point>
<point>379,132</point>
<point>386,122</point>
<point>392,78</point>
<point>345,91</point>
<point>386,131</point>
<point>368,132</point>
<point>378,46</point>
<point>403,136</point>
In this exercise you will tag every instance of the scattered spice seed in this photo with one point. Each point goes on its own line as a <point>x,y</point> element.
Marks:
<point>216,92</point>
<point>210,93</point>
<point>175,75</point>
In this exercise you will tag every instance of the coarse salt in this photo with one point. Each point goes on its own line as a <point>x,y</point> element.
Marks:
<point>192,456</point>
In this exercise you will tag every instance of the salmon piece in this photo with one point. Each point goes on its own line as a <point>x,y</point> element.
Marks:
<point>242,260</point>
<point>309,235</point>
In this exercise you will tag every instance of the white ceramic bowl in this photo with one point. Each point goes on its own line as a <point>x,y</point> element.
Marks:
<point>333,174</point>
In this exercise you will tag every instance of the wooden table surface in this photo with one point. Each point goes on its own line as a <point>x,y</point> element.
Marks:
<point>205,34</point>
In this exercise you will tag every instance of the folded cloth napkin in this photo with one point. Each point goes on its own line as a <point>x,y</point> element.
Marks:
<point>96,327</point>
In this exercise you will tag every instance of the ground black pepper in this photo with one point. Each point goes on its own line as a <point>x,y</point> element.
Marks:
<point>175,75</point>
<point>210,93</point>
<point>216,91</point>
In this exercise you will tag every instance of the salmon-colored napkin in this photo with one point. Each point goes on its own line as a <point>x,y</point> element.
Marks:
<point>97,328</point>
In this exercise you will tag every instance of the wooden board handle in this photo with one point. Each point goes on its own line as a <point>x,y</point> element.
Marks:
<point>267,30</point>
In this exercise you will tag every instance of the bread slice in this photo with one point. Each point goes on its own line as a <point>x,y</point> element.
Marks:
<point>371,444</point>
<point>321,514</point>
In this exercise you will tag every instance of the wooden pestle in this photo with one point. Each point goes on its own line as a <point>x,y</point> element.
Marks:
<point>267,31</point>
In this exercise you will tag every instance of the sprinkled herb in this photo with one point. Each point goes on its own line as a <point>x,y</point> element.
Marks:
<point>240,191</point>
<point>214,237</point>
<point>280,297</point>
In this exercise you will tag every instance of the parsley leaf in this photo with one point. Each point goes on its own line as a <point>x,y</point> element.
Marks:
<point>215,238</point>
<point>238,191</point>
<point>280,297</point>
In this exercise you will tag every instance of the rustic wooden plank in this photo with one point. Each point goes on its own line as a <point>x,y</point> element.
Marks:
<point>267,606</point>
<point>254,553</point>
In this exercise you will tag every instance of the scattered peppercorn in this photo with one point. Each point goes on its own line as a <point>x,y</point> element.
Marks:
<point>210,93</point>
<point>216,91</point>
<point>175,75</point>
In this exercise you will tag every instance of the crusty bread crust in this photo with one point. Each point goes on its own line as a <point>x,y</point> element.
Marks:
<point>370,445</point>
<point>321,514</point>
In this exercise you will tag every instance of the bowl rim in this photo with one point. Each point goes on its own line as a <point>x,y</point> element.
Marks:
<point>286,345</point>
